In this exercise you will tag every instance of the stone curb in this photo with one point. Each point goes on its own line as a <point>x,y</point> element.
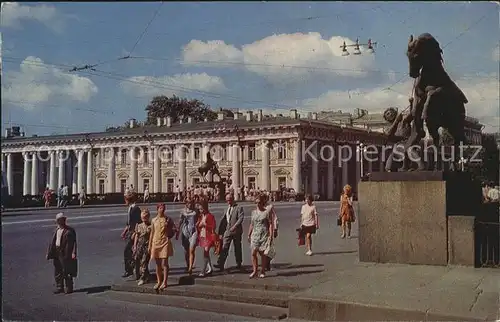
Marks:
<point>304,308</point>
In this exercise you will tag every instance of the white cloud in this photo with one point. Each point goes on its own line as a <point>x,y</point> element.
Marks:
<point>481,92</point>
<point>37,83</point>
<point>495,55</point>
<point>14,13</point>
<point>283,57</point>
<point>179,84</point>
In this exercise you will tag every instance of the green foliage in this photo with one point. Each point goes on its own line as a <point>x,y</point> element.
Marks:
<point>177,108</point>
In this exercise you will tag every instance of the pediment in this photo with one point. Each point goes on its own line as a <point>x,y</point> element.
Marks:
<point>194,173</point>
<point>101,175</point>
<point>169,173</point>
<point>281,172</point>
<point>251,172</point>
<point>146,174</point>
<point>224,172</point>
<point>122,175</point>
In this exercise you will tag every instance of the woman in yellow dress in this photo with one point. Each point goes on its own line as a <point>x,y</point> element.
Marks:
<point>162,231</point>
<point>346,213</point>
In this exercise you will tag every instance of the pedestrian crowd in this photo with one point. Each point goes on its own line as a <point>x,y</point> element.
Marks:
<point>152,239</point>
<point>148,239</point>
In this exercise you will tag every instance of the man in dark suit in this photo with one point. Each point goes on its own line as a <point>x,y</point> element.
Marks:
<point>231,230</point>
<point>62,250</point>
<point>134,218</point>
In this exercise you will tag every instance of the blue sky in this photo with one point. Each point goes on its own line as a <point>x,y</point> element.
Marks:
<point>249,55</point>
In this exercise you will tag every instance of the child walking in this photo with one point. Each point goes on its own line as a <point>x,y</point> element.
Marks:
<point>141,247</point>
<point>160,245</point>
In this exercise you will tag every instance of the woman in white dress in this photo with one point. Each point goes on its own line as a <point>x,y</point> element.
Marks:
<point>260,236</point>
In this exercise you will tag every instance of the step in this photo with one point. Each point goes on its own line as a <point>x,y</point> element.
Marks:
<point>207,305</point>
<point>228,281</point>
<point>249,296</point>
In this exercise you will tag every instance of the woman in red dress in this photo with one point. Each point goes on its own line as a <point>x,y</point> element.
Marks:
<point>206,235</point>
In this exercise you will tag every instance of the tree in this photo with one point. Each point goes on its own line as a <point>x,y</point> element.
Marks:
<point>490,158</point>
<point>176,107</point>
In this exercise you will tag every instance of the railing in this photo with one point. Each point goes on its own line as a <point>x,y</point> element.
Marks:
<point>487,237</point>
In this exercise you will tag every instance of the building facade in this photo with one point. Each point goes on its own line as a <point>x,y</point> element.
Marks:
<point>257,151</point>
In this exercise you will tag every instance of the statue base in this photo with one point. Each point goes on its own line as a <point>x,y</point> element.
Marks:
<point>424,217</point>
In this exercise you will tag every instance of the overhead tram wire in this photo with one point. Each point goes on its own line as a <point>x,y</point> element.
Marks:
<point>161,85</point>
<point>235,63</point>
<point>93,66</point>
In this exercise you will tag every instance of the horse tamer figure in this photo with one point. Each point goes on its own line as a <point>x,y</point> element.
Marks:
<point>209,166</point>
<point>437,99</point>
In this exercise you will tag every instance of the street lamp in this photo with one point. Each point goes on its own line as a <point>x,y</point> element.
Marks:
<point>463,161</point>
<point>361,150</point>
<point>357,50</point>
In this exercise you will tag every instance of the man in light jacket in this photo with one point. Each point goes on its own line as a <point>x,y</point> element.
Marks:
<point>231,230</point>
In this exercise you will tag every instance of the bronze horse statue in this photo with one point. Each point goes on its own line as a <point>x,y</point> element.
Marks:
<point>437,99</point>
<point>209,166</point>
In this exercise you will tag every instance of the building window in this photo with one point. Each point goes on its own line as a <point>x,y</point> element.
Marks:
<point>281,150</point>
<point>251,182</point>
<point>281,182</point>
<point>170,185</point>
<point>196,153</point>
<point>123,157</point>
<point>123,185</point>
<point>251,152</point>
<point>196,181</point>
<point>145,184</point>
<point>145,157</point>
<point>101,186</point>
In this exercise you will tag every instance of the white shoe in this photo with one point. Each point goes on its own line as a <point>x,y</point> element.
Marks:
<point>141,282</point>
<point>309,253</point>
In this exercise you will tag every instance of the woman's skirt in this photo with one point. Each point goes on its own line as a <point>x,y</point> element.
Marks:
<point>309,229</point>
<point>163,250</point>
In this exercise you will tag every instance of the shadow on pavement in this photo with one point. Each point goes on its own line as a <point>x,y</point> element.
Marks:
<point>94,289</point>
<point>297,273</point>
<point>335,253</point>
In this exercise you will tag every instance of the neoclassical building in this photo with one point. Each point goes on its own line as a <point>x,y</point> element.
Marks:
<point>251,149</point>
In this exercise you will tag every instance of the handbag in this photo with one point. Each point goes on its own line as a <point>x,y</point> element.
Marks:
<point>301,237</point>
<point>269,251</point>
<point>339,222</point>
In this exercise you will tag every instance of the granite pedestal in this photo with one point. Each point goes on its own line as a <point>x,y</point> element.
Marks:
<point>404,217</point>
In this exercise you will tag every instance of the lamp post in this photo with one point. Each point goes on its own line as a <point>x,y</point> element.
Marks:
<point>463,161</point>
<point>357,50</point>
<point>361,150</point>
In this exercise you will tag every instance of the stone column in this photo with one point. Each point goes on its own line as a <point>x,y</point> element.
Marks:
<point>330,176</point>
<point>235,176</point>
<point>156,170</point>
<point>345,168</point>
<point>297,164</point>
<point>314,168</point>
<point>52,172</point>
<point>181,159</point>
<point>74,174</point>
<point>133,168</point>
<point>10,174</point>
<point>79,164</point>
<point>34,174</point>
<point>265,183</point>
<point>90,172</point>
<point>26,174</point>
<point>111,170</point>
<point>61,179</point>
<point>4,162</point>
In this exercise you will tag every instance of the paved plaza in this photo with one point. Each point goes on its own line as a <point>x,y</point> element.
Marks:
<point>322,284</point>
